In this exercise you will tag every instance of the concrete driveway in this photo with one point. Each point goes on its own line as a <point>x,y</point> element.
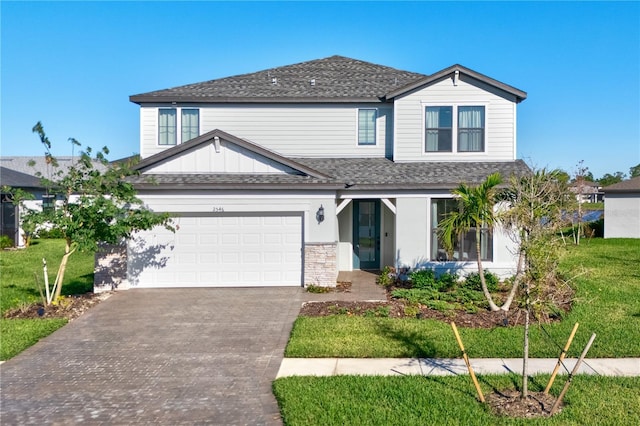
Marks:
<point>174,356</point>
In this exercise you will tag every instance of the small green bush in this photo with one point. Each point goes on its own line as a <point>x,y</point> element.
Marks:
<point>473,281</point>
<point>446,281</point>
<point>5,242</point>
<point>388,276</point>
<point>423,278</point>
<point>317,289</point>
<point>53,233</point>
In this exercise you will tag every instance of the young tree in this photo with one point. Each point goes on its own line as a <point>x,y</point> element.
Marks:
<point>535,213</point>
<point>582,176</point>
<point>476,210</point>
<point>98,204</point>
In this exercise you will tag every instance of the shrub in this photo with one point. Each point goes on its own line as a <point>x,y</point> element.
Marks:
<point>317,289</point>
<point>388,276</point>
<point>53,233</point>
<point>473,281</point>
<point>423,279</point>
<point>446,281</point>
<point>5,242</point>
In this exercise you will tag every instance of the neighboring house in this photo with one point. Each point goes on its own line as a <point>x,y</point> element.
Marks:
<point>288,175</point>
<point>587,191</point>
<point>20,172</point>
<point>10,215</point>
<point>622,209</point>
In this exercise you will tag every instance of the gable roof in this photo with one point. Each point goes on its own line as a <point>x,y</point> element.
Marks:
<point>631,185</point>
<point>17,179</point>
<point>451,71</point>
<point>332,79</point>
<point>149,162</point>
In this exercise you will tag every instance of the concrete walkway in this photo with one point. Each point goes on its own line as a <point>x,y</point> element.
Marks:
<point>448,367</point>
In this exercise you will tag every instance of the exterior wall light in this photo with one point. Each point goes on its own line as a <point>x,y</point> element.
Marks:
<point>320,214</point>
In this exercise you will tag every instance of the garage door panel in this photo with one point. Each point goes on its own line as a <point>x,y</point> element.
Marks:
<point>224,251</point>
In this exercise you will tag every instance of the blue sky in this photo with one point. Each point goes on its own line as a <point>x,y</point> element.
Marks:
<point>74,65</point>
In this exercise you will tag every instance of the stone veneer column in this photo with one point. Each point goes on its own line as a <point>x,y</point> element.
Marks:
<point>110,268</point>
<point>320,264</point>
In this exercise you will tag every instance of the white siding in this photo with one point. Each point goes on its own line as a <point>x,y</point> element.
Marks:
<point>499,121</point>
<point>290,130</point>
<point>413,241</point>
<point>622,215</point>
<point>230,159</point>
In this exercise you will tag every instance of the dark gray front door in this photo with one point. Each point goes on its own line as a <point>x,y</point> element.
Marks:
<point>366,234</point>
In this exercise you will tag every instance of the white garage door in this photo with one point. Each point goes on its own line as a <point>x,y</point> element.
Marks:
<point>219,251</point>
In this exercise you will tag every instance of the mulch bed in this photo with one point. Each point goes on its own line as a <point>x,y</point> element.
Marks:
<point>508,403</point>
<point>70,307</point>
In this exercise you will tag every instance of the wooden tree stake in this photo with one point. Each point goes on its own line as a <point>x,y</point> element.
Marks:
<point>561,358</point>
<point>573,372</point>
<point>466,360</point>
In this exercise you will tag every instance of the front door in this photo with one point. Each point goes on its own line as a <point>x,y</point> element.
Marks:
<point>366,234</point>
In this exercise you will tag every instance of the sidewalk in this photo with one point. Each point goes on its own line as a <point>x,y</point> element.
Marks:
<point>448,367</point>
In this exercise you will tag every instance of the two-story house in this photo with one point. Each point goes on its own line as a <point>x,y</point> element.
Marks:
<point>288,175</point>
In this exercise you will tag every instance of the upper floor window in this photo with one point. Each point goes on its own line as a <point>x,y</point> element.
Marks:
<point>190,124</point>
<point>471,128</point>
<point>465,133</point>
<point>438,124</point>
<point>367,126</point>
<point>169,127</point>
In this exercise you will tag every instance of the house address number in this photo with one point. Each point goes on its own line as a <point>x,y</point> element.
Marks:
<point>218,209</point>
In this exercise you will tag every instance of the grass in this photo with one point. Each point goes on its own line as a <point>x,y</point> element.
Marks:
<point>607,280</point>
<point>18,288</point>
<point>418,400</point>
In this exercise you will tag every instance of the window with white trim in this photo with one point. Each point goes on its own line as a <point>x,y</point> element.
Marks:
<point>169,127</point>
<point>464,247</point>
<point>367,126</point>
<point>454,128</point>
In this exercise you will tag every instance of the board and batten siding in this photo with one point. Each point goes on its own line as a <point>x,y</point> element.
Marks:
<point>500,121</point>
<point>291,130</point>
<point>229,158</point>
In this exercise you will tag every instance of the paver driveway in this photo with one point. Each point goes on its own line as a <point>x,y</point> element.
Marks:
<point>174,356</point>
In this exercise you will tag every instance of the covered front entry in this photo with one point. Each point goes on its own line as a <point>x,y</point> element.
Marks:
<point>366,234</point>
<point>219,250</point>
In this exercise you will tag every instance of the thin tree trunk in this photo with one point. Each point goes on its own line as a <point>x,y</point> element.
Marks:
<point>483,282</point>
<point>516,282</point>
<point>62,269</point>
<point>525,355</point>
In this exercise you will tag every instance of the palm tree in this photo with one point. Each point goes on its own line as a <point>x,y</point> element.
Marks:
<point>475,210</point>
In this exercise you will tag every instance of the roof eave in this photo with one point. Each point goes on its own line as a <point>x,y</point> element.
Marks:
<point>141,99</point>
<point>236,186</point>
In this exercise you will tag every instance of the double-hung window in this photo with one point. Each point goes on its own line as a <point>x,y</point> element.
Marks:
<point>190,124</point>
<point>169,127</point>
<point>438,124</point>
<point>454,128</point>
<point>367,126</point>
<point>464,247</point>
<point>470,128</point>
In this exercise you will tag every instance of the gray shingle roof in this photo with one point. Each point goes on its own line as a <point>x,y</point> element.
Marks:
<point>631,185</point>
<point>334,79</point>
<point>23,164</point>
<point>345,173</point>
<point>17,179</point>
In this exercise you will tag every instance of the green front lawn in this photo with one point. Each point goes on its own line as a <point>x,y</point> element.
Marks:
<point>18,288</point>
<point>607,280</point>
<point>418,400</point>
